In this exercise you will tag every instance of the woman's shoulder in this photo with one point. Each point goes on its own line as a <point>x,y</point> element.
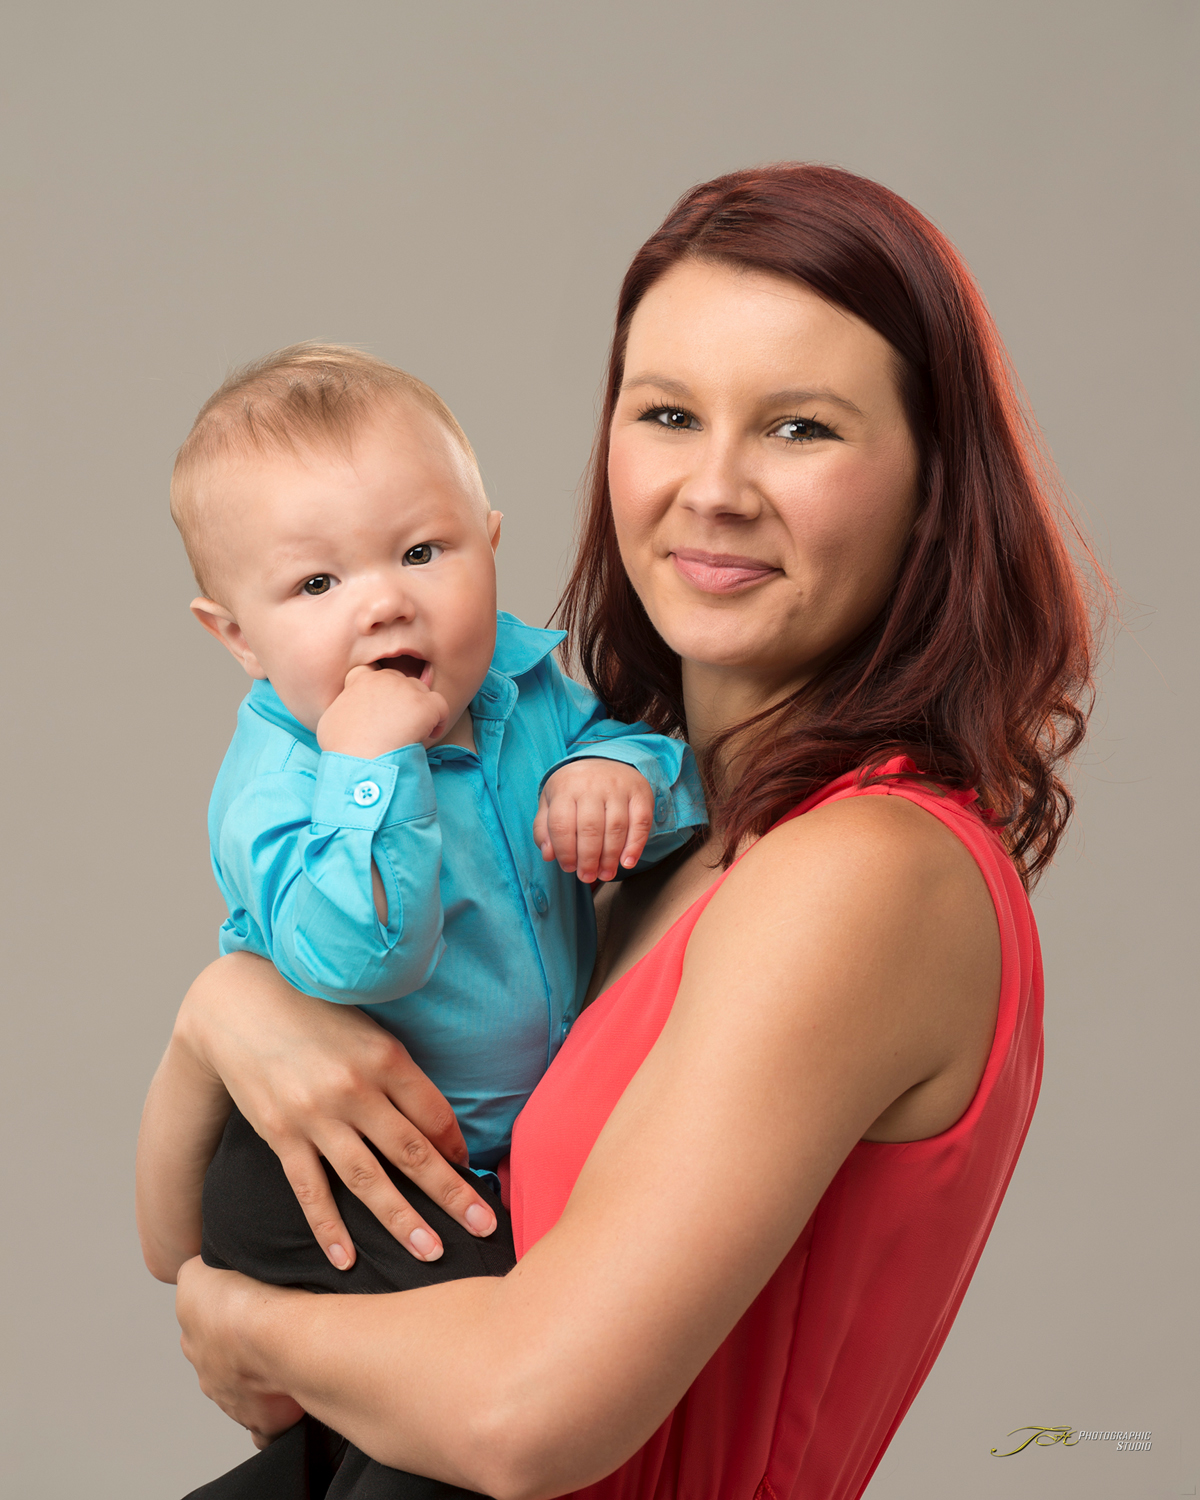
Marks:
<point>885,847</point>
<point>866,927</point>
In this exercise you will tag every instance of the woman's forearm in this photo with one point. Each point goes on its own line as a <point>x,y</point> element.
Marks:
<point>492,1384</point>
<point>182,1121</point>
<point>393,1374</point>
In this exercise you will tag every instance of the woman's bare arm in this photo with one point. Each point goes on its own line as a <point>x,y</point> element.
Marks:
<point>185,1113</point>
<point>849,960</point>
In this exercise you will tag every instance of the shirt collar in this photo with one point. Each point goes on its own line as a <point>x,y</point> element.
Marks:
<point>267,704</point>
<point>520,647</point>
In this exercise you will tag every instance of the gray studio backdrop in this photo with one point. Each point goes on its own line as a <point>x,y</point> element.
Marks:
<point>458,188</point>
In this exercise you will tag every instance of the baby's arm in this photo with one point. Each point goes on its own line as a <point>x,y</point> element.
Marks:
<point>336,880</point>
<point>621,797</point>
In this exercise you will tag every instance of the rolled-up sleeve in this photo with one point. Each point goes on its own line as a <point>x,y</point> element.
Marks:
<point>294,859</point>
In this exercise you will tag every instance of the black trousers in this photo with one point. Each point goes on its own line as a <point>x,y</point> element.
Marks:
<point>253,1224</point>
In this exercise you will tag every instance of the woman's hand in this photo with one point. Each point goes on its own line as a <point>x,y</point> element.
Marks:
<point>314,1079</point>
<point>214,1309</point>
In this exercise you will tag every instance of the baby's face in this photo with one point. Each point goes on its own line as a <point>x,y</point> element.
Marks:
<point>331,562</point>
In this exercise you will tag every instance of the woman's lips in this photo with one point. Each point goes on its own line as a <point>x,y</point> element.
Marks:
<point>720,572</point>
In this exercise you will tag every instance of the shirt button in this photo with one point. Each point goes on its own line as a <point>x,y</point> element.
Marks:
<point>366,794</point>
<point>541,902</point>
<point>660,809</point>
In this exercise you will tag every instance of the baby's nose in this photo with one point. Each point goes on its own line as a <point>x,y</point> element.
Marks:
<point>386,604</point>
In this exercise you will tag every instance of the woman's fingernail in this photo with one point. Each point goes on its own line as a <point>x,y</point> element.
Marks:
<point>424,1244</point>
<point>479,1220</point>
<point>337,1254</point>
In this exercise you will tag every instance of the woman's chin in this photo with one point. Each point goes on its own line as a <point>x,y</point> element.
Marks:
<point>745,661</point>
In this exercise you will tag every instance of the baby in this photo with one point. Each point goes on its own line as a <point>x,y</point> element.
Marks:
<point>372,825</point>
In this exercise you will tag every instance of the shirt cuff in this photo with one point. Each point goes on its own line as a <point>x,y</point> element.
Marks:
<point>371,794</point>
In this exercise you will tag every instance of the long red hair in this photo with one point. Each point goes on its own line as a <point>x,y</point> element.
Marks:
<point>979,665</point>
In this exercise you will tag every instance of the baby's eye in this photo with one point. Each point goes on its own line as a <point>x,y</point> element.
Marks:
<point>801,430</point>
<point>423,552</point>
<point>319,583</point>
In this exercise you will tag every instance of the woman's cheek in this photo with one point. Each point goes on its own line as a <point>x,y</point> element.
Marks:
<point>639,481</point>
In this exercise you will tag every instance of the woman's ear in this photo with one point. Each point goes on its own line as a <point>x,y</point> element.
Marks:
<point>219,623</point>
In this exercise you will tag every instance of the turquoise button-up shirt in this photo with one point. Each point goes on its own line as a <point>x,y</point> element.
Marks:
<point>486,954</point>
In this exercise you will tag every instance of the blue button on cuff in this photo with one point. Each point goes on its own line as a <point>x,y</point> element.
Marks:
<point>366,794</point>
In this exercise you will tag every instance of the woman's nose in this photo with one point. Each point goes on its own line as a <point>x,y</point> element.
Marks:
<point>718,485</point>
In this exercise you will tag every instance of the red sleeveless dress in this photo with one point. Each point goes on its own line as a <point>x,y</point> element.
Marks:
<point>802,1398</point>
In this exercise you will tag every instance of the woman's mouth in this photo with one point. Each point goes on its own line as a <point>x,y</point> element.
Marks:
<point>720,572</point>
<point>408,666</point>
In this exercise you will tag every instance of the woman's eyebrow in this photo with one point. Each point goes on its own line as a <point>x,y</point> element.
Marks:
<point>804,396</point>
<point>660,382</point>
<point>791,397</point>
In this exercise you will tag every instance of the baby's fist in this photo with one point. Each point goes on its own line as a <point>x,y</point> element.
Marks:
<point>379,710</point>
<point>594,817</point>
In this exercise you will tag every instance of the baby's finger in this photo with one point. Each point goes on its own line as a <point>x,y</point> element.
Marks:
<point>302,1168</point>
<point>616,832</point>
<point>641,822</point>
<point>561,824</point>
<point>541,830</point>
<point>590,820</point>
<point>360,1169</point>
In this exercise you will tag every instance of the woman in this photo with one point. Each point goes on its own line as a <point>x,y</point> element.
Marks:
<point>751,1190</point>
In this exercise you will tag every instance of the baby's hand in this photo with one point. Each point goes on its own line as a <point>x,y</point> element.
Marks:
<point>378,710</point>
<point>593,815</point>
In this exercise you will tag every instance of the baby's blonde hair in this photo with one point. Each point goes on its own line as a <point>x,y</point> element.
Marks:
<point>307,395</point>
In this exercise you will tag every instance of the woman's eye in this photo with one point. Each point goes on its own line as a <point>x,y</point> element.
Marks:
<point>319,583</point>
<point>424,552</point>
<point>801,430</point>
<point>673,417</point>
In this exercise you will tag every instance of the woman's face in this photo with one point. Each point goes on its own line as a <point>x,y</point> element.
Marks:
<point>763,475</point>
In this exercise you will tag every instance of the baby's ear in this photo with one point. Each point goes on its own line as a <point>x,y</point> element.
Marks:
<point>494,517</point>
<point>217,620</point>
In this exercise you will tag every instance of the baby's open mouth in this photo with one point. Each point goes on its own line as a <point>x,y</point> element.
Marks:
<point>410,666</point>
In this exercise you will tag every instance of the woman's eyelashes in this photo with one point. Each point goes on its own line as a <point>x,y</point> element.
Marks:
<point>672,417</point>
<point>790,429</point>
<point>802,430</point>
